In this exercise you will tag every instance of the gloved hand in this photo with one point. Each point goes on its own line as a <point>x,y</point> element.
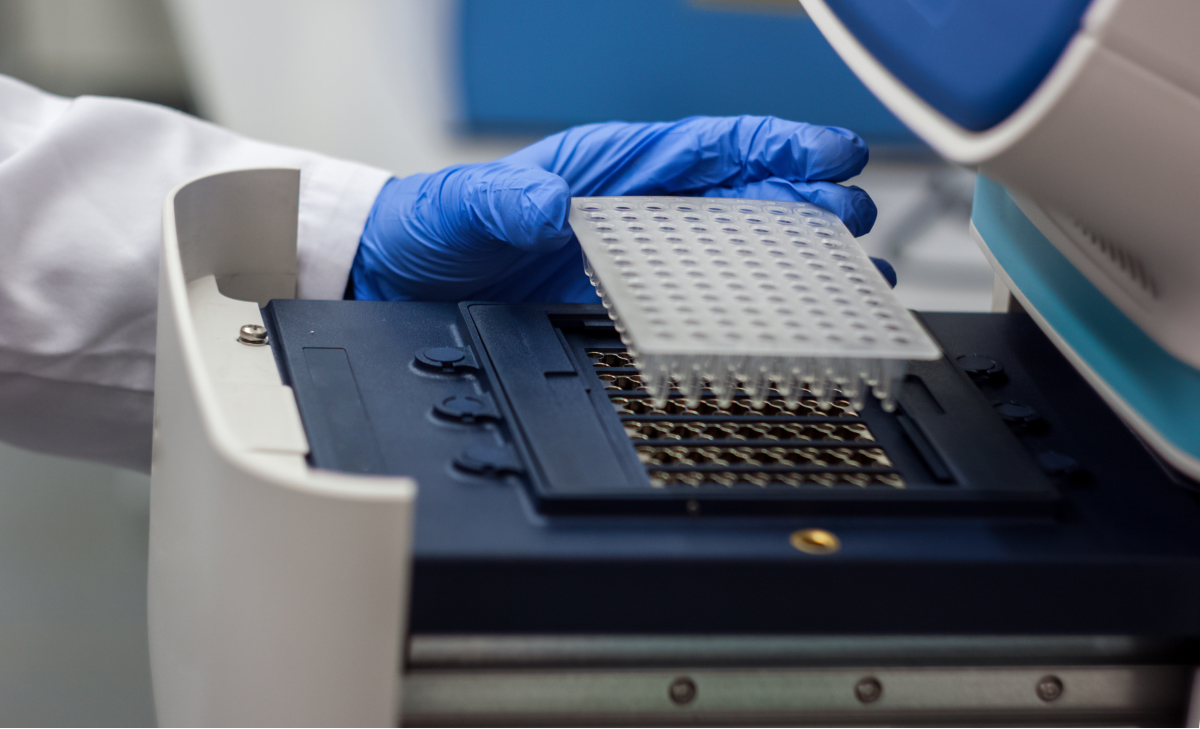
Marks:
<point>498,231</point>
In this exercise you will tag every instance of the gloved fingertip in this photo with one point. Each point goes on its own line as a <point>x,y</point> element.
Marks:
<point>526,207</point>
<point>862,213</point>
<point>851,204</point>
<point>888,271</point>
<point>835,154</point>
<point>546,207</point>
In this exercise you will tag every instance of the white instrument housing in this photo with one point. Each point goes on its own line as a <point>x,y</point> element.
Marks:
<point>1106,145</point>
<point>278,594</point>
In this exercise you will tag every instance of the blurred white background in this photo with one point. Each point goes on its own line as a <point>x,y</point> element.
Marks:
<point>372,80</point>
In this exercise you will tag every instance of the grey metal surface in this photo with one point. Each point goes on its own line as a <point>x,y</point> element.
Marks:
<point>1007,695</point>
<point>534,651</point>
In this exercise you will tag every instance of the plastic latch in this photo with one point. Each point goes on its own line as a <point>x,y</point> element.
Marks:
<point>467,409</point>
<point>489,460</point>
<point>444,360</point>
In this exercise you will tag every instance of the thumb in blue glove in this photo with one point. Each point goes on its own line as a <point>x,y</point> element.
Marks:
<point>498,231</point>
<point>491,232</point>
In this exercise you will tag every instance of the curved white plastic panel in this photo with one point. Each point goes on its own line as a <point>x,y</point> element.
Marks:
<point>1107,141</point>
<point>277,593</point>
<point>1005,288</point>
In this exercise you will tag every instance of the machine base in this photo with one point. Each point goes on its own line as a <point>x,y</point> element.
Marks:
<point>1110,548</point>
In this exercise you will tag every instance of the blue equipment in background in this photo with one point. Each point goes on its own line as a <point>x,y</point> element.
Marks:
<point>539,66</point>
<point>975,62</point>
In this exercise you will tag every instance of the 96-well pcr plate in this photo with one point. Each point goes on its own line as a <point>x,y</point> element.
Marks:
<point>713,292</point>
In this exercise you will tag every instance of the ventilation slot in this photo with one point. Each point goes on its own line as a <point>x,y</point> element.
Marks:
<point>1124,261</point>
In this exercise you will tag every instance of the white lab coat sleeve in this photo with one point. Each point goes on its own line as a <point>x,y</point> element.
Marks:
<point>82,182</point>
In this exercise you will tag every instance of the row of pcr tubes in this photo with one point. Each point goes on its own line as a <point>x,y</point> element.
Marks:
<point>791,377</point>
<point>824,378</point>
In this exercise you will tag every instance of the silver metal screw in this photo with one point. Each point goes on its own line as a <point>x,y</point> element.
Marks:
<point>1049,688</point>
<point>682,691</point>
<point>254,335</point>
<point>868,690</point>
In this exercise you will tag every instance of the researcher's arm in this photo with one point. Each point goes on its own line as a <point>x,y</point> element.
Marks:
<point>82,183</point>
<point>81,188</point>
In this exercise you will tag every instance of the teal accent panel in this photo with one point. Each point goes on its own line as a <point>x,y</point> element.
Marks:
<point>1161,388</point>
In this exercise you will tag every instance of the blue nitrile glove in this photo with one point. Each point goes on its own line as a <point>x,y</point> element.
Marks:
<point>498,231</point>
<point>888,271</point>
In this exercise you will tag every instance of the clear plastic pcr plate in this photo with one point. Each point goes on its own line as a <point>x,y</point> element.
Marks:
<point>752,294</point>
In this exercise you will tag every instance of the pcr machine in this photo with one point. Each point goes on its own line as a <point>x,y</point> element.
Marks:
<point>429,513</point>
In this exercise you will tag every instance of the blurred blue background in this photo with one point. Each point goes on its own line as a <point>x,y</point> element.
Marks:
<point>539,66</point>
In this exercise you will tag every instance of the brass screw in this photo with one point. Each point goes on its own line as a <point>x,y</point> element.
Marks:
<point>815,541</point>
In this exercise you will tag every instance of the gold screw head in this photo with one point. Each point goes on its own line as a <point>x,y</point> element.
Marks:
<point>815,541</point>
